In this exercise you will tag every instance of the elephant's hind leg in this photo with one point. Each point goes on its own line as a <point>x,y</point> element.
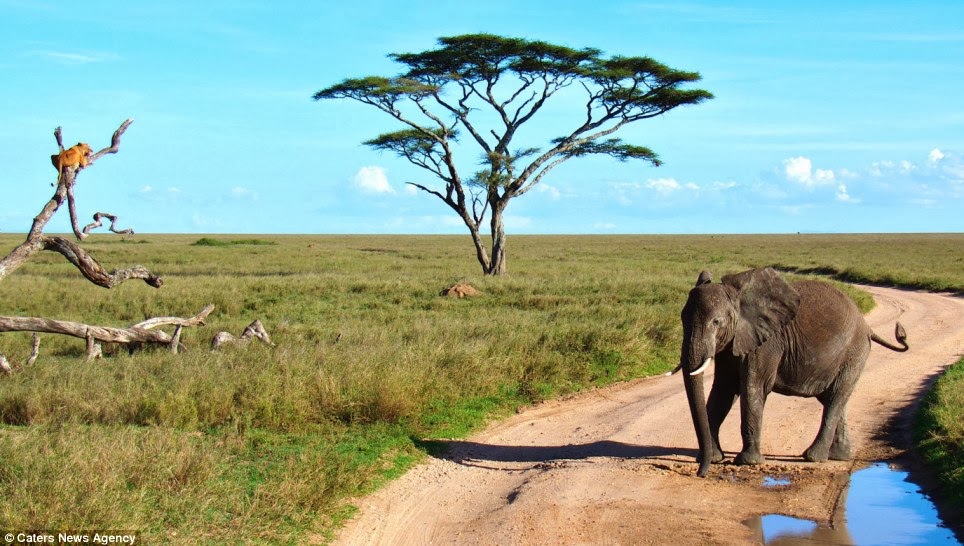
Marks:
<point>832,441</point>
<point>840,448</point>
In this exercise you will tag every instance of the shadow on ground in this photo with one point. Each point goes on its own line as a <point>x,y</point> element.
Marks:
<point>470,453</point>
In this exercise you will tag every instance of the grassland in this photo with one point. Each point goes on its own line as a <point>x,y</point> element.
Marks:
<point>940,434</point>
<point>265,444</point>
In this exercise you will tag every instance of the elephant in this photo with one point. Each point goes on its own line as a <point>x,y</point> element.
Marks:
<point>805,338</point>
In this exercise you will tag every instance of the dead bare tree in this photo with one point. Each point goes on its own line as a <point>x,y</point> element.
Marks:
<point>255,330</point>
<point>90,268</point>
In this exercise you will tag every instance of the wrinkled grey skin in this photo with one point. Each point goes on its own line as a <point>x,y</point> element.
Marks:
<point>765,335</point>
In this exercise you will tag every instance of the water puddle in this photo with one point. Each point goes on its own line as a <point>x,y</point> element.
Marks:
<point>882,507</point>
<point>776,481</point>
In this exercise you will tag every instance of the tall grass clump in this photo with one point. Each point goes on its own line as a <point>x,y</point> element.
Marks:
<point>940,432</point>
<point>264,444</point>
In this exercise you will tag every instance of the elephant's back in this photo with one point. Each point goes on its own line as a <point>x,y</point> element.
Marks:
<point>827,332</point>
<point>825,312</point>
<point>820,294</point>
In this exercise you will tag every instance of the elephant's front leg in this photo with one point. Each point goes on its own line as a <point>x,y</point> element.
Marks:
<point>754,390</point>
<point>726,383</point>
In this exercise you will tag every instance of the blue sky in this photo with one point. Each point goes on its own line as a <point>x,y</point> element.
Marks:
<point>828,116</point>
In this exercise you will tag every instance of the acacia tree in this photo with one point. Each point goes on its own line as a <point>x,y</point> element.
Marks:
<point>488,87</point>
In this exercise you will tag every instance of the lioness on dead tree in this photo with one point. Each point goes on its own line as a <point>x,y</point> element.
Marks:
<point>67,170</point>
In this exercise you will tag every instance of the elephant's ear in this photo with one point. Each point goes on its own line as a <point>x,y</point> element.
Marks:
<point>766,304</point>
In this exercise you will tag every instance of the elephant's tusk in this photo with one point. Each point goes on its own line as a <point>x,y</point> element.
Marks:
<point>702,368</point>
<point>675,370</point>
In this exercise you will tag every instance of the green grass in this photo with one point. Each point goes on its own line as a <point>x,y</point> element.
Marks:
<point>939,430</point>
<point>211,241</point>
<point>266,444</point>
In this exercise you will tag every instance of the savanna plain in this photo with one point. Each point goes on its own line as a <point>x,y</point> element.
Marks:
<point>267,444</point>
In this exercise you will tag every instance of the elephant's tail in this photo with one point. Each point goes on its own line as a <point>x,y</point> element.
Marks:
<point>901,336</point>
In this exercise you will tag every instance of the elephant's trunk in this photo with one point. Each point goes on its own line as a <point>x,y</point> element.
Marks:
<point>693,380</point>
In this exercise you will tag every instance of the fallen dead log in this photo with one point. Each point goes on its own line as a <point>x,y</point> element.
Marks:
<point>142,332</point>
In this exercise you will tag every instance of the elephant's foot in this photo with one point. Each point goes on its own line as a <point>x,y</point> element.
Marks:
<point>715,457</point>
<point>746,457</point>
<point>839,453</point>
<point>814,455</point>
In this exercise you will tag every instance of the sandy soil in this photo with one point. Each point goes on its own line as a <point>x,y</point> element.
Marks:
<point>616,465</point>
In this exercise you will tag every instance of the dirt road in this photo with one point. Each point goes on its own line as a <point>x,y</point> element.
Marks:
<point>616,465</point>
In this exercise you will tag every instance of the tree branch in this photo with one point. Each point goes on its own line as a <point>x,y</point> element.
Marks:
<point>196,320</point>
<point>91,268</point>
<point>113,224</point>
<point>114,142</point>
<point>72,210</point>
<point>7,369</point>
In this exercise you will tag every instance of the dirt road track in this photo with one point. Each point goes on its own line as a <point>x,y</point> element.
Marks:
<point>616,465</point>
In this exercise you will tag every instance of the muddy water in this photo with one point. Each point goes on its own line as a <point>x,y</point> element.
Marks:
<point>882,507</point>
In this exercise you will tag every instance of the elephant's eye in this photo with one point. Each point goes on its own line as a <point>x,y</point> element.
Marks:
<point>717,322</point>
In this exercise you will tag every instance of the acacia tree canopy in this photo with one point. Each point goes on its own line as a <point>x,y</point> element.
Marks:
<point>486,88</point>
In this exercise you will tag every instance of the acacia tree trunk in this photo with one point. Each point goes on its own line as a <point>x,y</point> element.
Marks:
<point>497,264</point>
<point>480,252</point>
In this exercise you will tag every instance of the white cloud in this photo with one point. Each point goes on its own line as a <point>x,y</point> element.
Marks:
<point>240,192</point>
<point>845,173</point>
<point>800,170</point>
<point>797,169</point>
<point>823,176</point>
<point>150,193</point>
<point>881,168</point>
<point>844,196</point>
<point>623,192</point>
<point>551,191</point>
<point>935,155</point>
<point>373,180</point>
<point>663,185</point>
<point>892,168</point>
